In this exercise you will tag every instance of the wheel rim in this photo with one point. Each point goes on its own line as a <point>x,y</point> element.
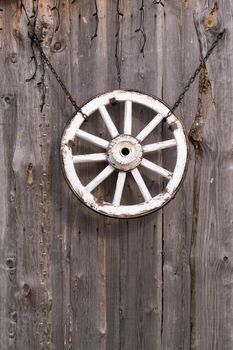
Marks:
<point>124,153</point>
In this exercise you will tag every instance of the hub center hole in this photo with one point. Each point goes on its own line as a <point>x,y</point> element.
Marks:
<point>125,151</point>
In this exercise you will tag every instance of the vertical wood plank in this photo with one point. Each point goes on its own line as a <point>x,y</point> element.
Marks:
<point>56,113</point>
<point>88,238</point>
<point>27,170</point>
<point>33,169</point>
<point>8,228</point>
<point>181,57</point>
<point>212,248</point>
<point>134,281</point>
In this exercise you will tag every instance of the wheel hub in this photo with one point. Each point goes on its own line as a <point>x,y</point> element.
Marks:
<point>124,153</point>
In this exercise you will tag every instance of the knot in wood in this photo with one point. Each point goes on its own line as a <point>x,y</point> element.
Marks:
<point>11,262</point>
<point>26,290</point>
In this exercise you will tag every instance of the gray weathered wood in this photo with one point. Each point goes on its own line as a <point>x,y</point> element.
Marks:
<point>212,248</point>
<point>8,226</point>
<point>181,57</point>
<point>70,278</point>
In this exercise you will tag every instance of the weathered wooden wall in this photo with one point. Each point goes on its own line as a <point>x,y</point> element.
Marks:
<point>69,278</point>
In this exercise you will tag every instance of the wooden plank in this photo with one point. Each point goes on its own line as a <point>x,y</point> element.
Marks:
<point>134,285</point>
<point>134,281</point>
<point>212,232</point>
<point>88,238</point>
<point>56,113</point>
<point>33,171</point>
<point>27,165</point>
<point>8,229</point>
<point>181,58</point>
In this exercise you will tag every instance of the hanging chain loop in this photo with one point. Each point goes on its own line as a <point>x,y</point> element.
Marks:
<point>195,74</point>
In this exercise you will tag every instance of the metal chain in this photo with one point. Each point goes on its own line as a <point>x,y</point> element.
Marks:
<point>59,80</point>
<point>195,74</point>
<point>37,42</point>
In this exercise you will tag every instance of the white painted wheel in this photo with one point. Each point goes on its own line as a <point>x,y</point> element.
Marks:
<point>124,153</point>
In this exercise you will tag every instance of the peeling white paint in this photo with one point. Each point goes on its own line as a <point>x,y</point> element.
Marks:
<point>115,209</point>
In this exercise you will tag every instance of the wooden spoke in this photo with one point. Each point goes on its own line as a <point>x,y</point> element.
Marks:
<point>108,121</point>
<point>150,127</point>
<point>100,178</point>
<point>93,157</point>
<point>156,168</point>
<point>98,141</point>
<point>159,146</point>
<point>119,188</point>
<point>128,118</point>
<point>141,184</point>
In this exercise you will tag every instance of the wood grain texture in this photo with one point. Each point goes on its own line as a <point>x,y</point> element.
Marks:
<point>212,248</point>
<point>181,57</point>
<point>8,226</point>
<point>70,278</point>
<point>135,267</point>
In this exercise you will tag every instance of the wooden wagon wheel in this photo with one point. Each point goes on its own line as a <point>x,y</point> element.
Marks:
<point>123,154</point>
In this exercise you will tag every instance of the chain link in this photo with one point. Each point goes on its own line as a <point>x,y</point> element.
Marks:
<point>195,74</point>
<point>37,42</point>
